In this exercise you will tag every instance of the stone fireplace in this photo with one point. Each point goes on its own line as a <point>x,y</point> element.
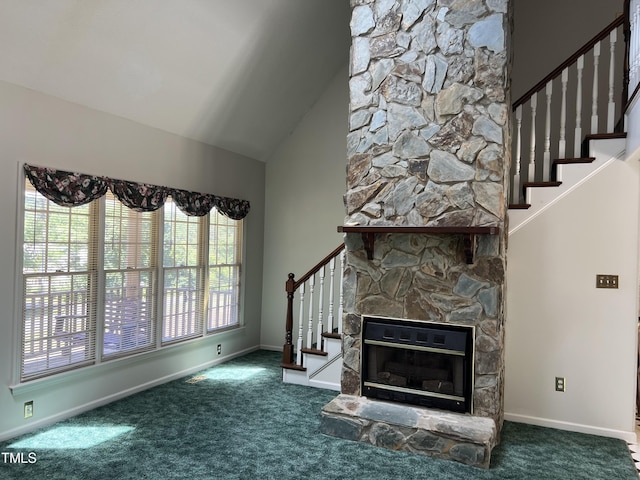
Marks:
<point>428,152</point>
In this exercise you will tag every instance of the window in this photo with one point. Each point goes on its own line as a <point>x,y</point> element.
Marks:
<point>60,282</point>
<point>183,275</point>
<point>224,271</point>
<point>103,281</point>
<point>130,257</point>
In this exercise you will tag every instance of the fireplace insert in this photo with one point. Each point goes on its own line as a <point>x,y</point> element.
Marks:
<point>416,362</point>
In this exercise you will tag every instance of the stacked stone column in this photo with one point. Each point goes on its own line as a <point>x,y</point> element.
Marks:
<point>429,145</point>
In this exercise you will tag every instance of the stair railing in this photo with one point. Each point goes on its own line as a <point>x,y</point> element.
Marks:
<point>311,319</point>
<point>548,126</point>
<point>632,60</point>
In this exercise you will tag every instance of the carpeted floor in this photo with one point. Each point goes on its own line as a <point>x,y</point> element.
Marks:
<point>239,421</point>
<point>634,448</point>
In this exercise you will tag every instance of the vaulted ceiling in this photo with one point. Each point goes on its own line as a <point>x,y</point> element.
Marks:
<point>237,74</point>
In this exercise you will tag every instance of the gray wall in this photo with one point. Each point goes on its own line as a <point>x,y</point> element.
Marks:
<point>591,331</point>
<point>43,130</point>
<point>547,32</point>
<point>559,325</point>
<point>305,184</point>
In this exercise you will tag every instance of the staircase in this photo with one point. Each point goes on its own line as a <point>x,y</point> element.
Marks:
<point>558,161</point>
<point>588,95</point>
<point>567,174</point>
<point>318,351</point>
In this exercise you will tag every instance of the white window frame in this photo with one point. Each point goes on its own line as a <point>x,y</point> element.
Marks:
<point>128,321</point>
<point>223,305</point>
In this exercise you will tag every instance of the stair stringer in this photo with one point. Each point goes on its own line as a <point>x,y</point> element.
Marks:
<point>321,371</point>
<point>328,376</point>
<point>572,176</point>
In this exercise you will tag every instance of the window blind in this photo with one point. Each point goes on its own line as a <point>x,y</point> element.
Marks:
<point>60,285</point>
<point>225,251</point>
<point>130,253</point>
<point>183,274</point>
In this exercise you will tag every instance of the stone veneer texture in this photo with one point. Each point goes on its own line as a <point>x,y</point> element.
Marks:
<point>444,435</point>
<point>422,277</point>
<point>428,113</point>
<point>429,146</point>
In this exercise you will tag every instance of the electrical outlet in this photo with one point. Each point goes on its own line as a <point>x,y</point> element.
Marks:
<point>219,349</point>
<point>28,409</point>
<point>560,384</point>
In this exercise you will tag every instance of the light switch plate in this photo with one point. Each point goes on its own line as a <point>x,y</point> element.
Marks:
<point>606,281</point>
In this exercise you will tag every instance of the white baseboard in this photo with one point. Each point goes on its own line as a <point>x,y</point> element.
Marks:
<point>629,437</point>
<point>6,435</point>
<point>273,348</point>
<point>325,385</point>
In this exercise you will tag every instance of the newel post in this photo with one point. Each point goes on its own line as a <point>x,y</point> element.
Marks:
<point>287,350</point>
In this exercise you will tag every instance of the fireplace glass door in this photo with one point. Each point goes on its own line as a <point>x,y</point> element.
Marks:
<point>418,363</point>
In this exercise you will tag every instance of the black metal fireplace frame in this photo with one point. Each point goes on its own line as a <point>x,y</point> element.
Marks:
<point>419,336</point>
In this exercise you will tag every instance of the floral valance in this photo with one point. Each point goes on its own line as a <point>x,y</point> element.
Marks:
<point>141,197</point>
<point>65,188</point>
<point>73,189</point>
<point>192,203</point>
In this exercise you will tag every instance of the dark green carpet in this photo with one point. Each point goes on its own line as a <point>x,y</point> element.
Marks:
<point>242,422</point>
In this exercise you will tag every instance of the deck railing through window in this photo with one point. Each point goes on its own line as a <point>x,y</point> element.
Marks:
<point>58,325</point>
<point>58,329</point>
<point>129,312</point>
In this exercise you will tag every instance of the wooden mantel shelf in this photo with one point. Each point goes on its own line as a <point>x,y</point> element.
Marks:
<point>469,234</point>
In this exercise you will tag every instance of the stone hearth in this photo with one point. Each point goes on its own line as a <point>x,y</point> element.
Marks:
<point>428,146</point>
<point>464,438</point>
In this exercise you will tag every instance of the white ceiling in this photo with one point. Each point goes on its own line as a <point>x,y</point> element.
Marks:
<point>238,74</point>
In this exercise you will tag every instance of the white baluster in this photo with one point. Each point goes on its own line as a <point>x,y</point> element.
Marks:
<point>632,50</point>
<point>546,159</point>
<point>312,282</point>
<point>611,108</point>
<point>516,176</point>
<point>594,95</point>
<point>320,325</point>
<point>562,143</point>
<point>300,327</point>
<point>332,271</point>
<point>578,131</point>
<point>532,156</point>
<point>341,302</point>
<point>636,44</point>
<point>633,54</point>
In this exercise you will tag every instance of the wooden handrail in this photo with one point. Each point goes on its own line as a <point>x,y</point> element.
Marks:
<point>319,265</point>
<point>291,286</point>
<point>570,61</point>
